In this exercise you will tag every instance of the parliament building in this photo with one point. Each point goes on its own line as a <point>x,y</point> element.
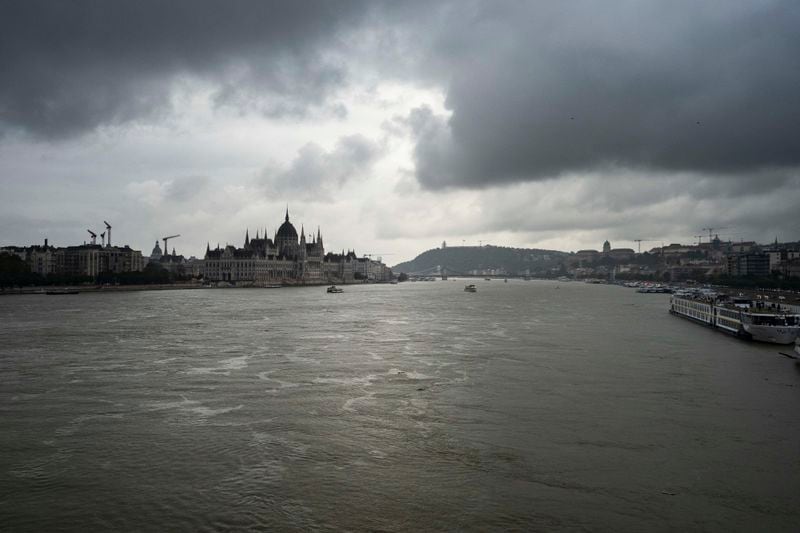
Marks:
<point>287,259</point>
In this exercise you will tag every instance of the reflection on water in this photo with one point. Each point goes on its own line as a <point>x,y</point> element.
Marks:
<point>407,407</point>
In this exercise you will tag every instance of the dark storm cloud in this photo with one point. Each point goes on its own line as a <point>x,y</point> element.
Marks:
<point>540,89</point>
<point>535,89</point>
<point>70,66</point>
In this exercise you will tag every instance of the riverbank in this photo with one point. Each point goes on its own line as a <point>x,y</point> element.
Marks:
<point>101,288</point>
<point>42,290</point>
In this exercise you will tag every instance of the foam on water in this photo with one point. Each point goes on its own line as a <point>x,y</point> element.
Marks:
<point>223,367</point>
<point>397,408</point>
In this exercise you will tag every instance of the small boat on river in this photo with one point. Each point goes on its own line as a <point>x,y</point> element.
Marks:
<point>470,288</point>
<point>334,289</point>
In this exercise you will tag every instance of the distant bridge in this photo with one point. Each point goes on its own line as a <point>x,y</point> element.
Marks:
<point>440,270</point>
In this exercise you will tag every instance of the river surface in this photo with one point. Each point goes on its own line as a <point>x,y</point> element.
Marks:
<point>532,406</point>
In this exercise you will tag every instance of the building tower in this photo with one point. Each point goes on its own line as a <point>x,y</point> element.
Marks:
<point>286,238</point>
<point>155,255</point>
<point>606,247</point>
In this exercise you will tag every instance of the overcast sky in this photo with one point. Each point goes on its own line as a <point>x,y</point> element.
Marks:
<point>394,126</point>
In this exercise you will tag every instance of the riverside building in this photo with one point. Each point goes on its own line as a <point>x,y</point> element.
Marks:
<point>287,258</point>
<point>82,260</point>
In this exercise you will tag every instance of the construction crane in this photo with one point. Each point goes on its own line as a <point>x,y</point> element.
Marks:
<point>640,241</point>
<point>166,239</point>
<point>103,238</point>
<point>699,239</point>
<point>94,236</point>
<point>108,230</point>
<point>711,231</point>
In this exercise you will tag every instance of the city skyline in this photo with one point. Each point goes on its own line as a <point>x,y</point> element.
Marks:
<point>397,126</point>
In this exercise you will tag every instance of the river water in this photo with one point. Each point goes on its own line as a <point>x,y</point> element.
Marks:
<point>525,406</point>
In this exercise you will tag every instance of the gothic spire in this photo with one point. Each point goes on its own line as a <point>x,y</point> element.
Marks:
<point>287,212</point>
<point>247,237</point>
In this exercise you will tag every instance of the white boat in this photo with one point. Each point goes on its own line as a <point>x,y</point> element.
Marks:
<point>739,316</point>
<point>768,327</point>
<point>470,288</point>
<point>334,289</point>
<point>654,289</point>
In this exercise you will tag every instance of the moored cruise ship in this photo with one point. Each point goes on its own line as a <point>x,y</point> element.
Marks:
<point>739,316</point>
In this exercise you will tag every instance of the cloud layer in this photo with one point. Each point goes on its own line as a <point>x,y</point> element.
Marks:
<point>69,67</point>
<point>540,89</point>
<point>401,124</point>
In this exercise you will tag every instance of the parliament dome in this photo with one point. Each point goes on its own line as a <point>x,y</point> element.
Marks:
<point>286,232</point>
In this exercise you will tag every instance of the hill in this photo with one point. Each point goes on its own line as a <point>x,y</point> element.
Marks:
<point>482,259</point>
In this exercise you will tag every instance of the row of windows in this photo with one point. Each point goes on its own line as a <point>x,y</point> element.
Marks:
<point>696,310</point>
<point>693,305</point>
<point>733,324</point>
<point>728,313</point>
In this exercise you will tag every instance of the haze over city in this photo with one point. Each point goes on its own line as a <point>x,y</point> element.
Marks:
<point>395,126</point>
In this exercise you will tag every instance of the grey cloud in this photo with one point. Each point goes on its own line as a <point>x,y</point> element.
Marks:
<point>69,67</point>
<point>537,90</point>
<point>620,206</point>
<point>317,172</point>
<point>186,188</point>
<point>628,207</point>
<point>288,88</point>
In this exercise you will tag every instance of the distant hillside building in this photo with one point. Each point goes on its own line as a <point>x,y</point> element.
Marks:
<point>780,256</point>
<point>742,247</point>
<point>755,264</point>
<point>621,254</point>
